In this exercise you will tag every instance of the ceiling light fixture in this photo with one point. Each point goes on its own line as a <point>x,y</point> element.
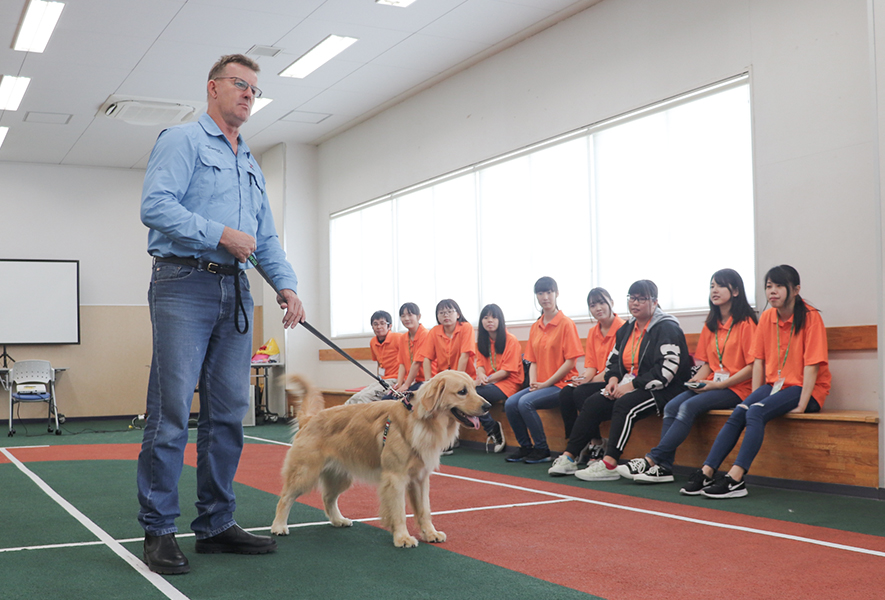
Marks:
<point>3,132</point>
<point>259,104</point>
<point>317,56</point>
<point>400,3</point>
<point>12,90</point>
<point>37,26</point>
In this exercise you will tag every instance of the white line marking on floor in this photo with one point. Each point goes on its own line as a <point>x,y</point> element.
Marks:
<point>252,437</point>
<point>656,513</point>
<point>161,584</point>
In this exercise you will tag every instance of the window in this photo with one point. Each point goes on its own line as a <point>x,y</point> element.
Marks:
<point>665,193</point>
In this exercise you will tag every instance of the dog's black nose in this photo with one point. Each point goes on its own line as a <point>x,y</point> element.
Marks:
<point>486,406</point>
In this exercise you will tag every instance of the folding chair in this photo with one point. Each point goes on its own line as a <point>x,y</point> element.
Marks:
<point>33,381</point>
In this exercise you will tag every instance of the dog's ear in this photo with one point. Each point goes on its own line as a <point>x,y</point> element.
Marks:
<point>430,394</point>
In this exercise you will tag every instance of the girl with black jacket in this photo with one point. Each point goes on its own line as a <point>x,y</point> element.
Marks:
<point>647,367</point>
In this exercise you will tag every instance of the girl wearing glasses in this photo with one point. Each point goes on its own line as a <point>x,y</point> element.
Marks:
<point>790,374</point>
<point>552,350</point>
<point>600,341</point>
<point>725,348</point>
<point>449,345</point>
<point>646,368</point>
<point>499,372</point>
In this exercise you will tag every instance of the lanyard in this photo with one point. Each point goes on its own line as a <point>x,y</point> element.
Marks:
<point>777,328</point>
<point>718,353</point>
<point>411,356</point>
<point>636,345</point>
<point>492,356</point>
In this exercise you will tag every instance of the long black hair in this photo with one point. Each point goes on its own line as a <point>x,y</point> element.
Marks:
<point>547,284</point>
<point>482,336</point>
<point>740,306</point>
<point>599,294</point>
<point>449,303</point>
<point>788,277</point>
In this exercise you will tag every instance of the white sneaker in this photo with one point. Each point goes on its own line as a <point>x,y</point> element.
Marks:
<point>563,465</point>
<point>633,467</point>
<point>597,471</point>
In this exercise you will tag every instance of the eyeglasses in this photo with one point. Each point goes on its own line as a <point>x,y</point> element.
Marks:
<point>446,312</point>
<point>638,299</point>
<point>243,85</point>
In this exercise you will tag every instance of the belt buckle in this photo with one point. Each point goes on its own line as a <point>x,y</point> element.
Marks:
<point>212,268</point>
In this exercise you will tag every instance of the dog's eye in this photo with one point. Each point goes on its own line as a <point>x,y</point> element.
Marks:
<point>463,392</point>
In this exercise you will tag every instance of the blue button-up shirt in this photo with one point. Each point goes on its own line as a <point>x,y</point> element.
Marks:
<point>195,185</point>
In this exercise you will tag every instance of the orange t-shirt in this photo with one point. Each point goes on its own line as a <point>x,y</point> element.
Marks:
<point>736,347</point>
<point>795,351</point>
<point>551,345</point>
<point>599,346</point>
<point>386,353</point>
<point>444,351</point>
<point>633,349</point>
<point>408,350</point>
<point>510,361</point>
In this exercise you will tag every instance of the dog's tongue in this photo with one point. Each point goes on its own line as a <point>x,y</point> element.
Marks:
<point>474,421</point>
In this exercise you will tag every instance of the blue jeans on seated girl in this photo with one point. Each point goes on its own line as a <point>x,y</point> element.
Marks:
<point>522,412</point>
<point>679,415</point>
<point>753,413</point>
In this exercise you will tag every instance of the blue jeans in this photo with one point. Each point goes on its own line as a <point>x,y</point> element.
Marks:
<point>194,339</point>
<point>679,415</point>
<point>753,413</point>
<point>522,412</point>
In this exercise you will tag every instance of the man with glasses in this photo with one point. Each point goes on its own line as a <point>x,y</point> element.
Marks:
<point>205,204</point>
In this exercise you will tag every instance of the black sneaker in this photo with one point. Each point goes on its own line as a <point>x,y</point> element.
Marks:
<point>496,438</point>
<point>726,488</point>
<point>696,482</point>
<point>538,456</point>
<point>520,454</point>
<point>655,474</point>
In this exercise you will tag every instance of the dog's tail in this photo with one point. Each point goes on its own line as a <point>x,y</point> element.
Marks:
<point>309,399</point>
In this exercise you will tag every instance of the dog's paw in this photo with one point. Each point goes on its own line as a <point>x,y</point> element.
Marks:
<point>342,522</point>
<point>278,529</point>
<point>404,541</point>
<point>434,537</point>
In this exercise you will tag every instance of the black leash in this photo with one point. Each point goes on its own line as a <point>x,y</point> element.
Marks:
<point>326,340</point>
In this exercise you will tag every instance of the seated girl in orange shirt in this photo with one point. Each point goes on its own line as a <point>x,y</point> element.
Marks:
<point>499,372</point>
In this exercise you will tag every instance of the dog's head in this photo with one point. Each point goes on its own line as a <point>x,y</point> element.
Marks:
<point>451,391</point>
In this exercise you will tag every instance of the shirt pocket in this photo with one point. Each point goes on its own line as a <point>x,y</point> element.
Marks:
<point>257,188</point>
<point>215,176</point>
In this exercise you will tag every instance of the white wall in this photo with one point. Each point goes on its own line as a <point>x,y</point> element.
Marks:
<point>814,138</point>
<point>85,213</point>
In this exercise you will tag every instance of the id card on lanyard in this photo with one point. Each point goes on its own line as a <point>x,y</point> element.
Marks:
<point>779,384</point>
<point>628,377</point>
<point>722,374</point>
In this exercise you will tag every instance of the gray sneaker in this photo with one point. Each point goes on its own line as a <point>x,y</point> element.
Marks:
<point>597,471</point>
<point>563,465</point>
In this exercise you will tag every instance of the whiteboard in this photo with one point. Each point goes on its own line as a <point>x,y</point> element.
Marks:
<point>40,301</point>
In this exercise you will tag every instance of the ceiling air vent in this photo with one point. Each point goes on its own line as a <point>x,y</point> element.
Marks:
<point>149,111</point>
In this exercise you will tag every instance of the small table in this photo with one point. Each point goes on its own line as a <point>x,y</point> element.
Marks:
<point>262,408</point>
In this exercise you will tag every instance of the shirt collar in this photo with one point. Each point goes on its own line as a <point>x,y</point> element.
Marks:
<point>211,128</point>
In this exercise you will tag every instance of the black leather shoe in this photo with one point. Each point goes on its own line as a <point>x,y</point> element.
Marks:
<point>235,540</point>
<point>162,555</point>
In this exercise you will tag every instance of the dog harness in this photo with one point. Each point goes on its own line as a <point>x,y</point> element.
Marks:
<point>408,405</point>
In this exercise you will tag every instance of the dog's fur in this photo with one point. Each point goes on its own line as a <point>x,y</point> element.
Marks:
<point>336,445</point>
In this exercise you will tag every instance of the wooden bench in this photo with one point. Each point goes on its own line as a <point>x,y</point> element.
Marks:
<point>840,447</point>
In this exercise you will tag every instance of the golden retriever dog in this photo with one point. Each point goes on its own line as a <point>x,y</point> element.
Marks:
<point>381,442</point>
